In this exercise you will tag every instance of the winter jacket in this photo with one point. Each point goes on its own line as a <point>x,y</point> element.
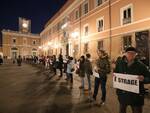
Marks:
<point>70,67</point>
<point>136,68</point>
<point>60,64</point>
<point>1,60</point>
<point>88,67</point>
<point>82,68</point>
<point>103,65</point>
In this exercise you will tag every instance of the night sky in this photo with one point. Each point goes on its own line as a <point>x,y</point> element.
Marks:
<point>39,11</point>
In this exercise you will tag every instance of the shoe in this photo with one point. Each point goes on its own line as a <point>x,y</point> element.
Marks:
<point>93,101</point>
<point>102,103</point>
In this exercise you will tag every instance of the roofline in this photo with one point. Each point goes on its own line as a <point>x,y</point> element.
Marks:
<point>62,9</point>
<point>20,33</point>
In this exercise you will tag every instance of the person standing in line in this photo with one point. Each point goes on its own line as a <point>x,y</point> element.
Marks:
<point>19,60</point>
<point>1,60</point>
<point>65,61</point>
<point>60,65</point>
<point>88,73</point>
<point>70,69</point>
<point>130,65</point>
<point>54,64</point>
<point>102,68</point>
<point>82,71</point>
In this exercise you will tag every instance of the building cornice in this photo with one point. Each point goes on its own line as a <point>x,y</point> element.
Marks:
<point>16,33</point>
<point>63,14</point>
<point>11,45</point>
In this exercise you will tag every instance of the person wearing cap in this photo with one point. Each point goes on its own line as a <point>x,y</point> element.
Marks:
<point>129,64</point>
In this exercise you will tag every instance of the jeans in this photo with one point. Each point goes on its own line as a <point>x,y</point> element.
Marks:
<point>70,76</point>
<point>99,81</point>
<point>82,82</point>
<point>89,81</point>
<point>61,72</point>
<point>135,109</point>
<point>89,85</point>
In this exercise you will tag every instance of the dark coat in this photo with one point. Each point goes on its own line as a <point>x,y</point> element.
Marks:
<point>1,60</point>
<point>88,67</point>
<point>19,61</point>
<point>82,68</point>
<point>103,65</point>
<point>136,68</point>
<point>60,63</point>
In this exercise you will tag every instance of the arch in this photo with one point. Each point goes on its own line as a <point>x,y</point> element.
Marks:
<point>34,49</point>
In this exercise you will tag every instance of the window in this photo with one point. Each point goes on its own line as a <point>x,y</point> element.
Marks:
<point>85,8</point>
<point>77,14</point>
<point>24,41</point>
<point>126,13</point>
<point>100,24</point>
<point>127,42</point>
<point>98,2</point>
<point>14,41</point>
<point>86,30</point>
<point>34,42</point>
<point>86,48</point>
<point>100,45</point>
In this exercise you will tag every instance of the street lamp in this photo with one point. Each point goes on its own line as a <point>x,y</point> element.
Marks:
<point>64,26</point>
<point>49,43</point>
<point>75,34</point>
<point>40,47</point>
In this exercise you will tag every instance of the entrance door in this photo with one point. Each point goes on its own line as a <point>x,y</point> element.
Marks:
<point>14,55</point>
<point>142,45</point>
<point>33,53</point>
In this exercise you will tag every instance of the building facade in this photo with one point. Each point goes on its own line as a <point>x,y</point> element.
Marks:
<point>21,42</point>
<point>1,53</point>
<point>84,26</point>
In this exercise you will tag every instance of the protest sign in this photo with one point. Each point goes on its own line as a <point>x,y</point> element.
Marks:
<point>126,82</point>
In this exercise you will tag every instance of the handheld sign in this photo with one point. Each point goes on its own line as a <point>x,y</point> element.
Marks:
<point>96,74</point>
<point>126,82</point>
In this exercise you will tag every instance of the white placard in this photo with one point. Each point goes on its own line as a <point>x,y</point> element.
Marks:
<point>126,82</point>
<point>96,74</point>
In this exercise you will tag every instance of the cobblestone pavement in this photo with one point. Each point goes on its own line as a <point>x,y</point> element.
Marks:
<point>28,89</point>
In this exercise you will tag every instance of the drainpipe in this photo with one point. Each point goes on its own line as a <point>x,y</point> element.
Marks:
<point>80,29</point>
<point>149,47</point>
<point>110,32</point>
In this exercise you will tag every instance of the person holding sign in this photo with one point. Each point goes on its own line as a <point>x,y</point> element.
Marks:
<point>102,69</point>
<point>129,65</point>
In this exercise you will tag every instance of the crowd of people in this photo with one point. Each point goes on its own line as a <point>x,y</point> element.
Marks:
<point>129,64</point>
<point>85,67</point>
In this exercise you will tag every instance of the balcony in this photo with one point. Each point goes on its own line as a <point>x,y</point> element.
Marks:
<point>100,29</point>
<point>126,20</point>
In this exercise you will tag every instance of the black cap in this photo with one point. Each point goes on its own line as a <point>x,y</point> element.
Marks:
<point>131,49</point>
